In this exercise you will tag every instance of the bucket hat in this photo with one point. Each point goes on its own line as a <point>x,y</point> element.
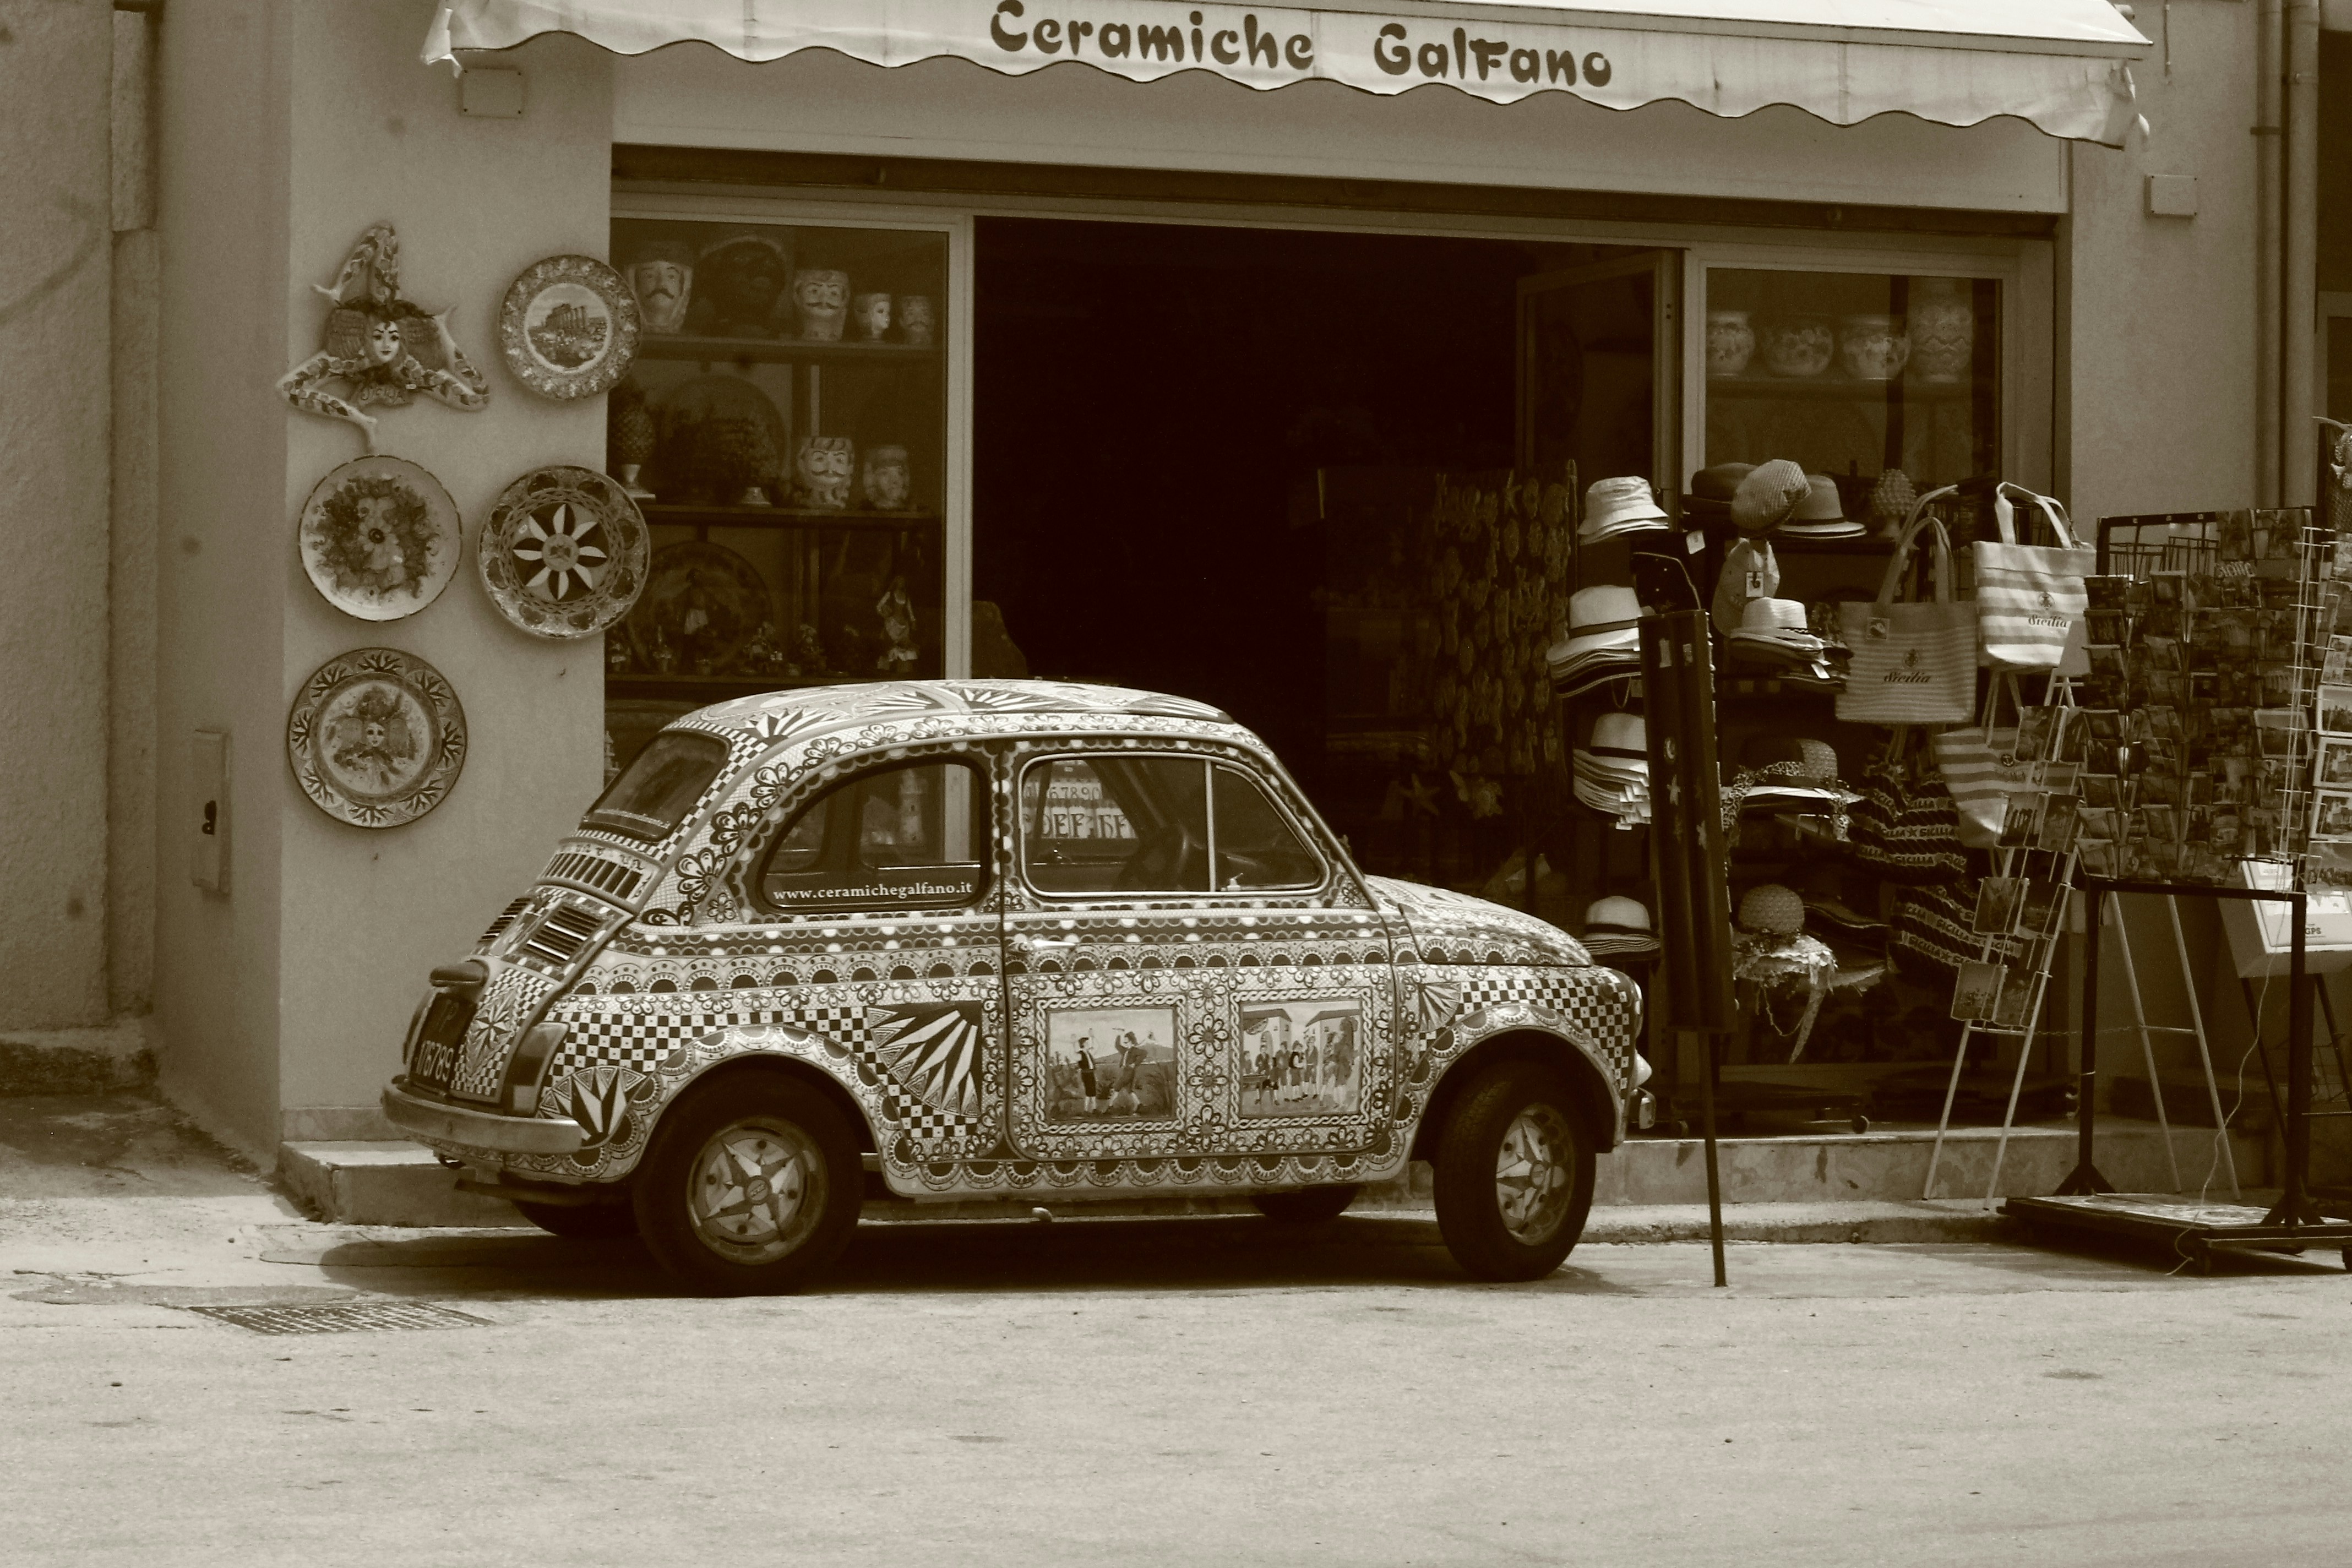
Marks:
<point>1614,506</point>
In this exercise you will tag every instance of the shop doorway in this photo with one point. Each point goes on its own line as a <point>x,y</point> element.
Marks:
<point>1197,450</point>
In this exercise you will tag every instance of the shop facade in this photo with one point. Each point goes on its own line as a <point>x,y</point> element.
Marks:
<point>1098,255</point>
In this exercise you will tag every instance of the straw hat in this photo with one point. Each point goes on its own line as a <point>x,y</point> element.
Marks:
<point>1779,621</point>
<point>1819,514</point>
<point>1767,495</point>
<point>1772,909</point>
<point>1605,617</point>
<point>1617,506</point>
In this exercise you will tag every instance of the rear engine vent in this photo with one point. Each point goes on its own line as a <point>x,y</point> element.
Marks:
<point>561,935</point>
<point>506,917</point>
<point>609,878</point>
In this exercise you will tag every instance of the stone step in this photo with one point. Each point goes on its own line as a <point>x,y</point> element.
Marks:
<point>77,1062</point>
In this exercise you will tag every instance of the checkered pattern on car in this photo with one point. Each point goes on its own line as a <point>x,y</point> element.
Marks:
<point>1598,1002</point>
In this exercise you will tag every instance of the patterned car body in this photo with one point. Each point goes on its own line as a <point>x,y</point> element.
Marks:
<point>658,964</point>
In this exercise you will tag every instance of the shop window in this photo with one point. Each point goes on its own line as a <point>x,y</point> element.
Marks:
<point>784,432</point>
<point>912,837</point>
<point>1256,846</point>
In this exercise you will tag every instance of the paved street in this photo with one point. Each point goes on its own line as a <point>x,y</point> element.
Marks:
<point>1152,1392</point>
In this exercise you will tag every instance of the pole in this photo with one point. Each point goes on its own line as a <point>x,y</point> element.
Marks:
<point>2084,1177</point>
<point>2294,1205</point>
<point>1706,1043</point>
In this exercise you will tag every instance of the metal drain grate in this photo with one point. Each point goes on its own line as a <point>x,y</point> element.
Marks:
<point>342,1317</point>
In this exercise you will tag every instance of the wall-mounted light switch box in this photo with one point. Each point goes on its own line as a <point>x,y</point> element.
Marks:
<point>491,94</point>
<point>2172,195</point>
<point>208,825</point>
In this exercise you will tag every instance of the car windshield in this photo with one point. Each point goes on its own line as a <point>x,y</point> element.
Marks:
<point>654,793</point>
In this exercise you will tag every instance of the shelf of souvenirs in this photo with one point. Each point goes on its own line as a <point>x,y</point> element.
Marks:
<point>1838,388</point>
<point>1722,537</point>
<point>802,518</point>
<point>647,685</point>
<point>781,350</point>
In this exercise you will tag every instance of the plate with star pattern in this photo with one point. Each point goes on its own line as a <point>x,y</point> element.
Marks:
<point>563,553</point>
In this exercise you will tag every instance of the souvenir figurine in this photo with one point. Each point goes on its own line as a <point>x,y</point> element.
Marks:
<point>661,275</point>
<point>823,466</point>
<point>664,660</point>
<point>898,615</point>
<point>916,322</point>
<point>616,656</point>
<point>808,651</point>
<point>888,480</point>
<point>629,436</point>
<point>821,303</point>
<point>384,348</point>
<point>872,313</point>
<point>739,281</point>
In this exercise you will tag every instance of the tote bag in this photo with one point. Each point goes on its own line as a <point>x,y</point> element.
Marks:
<point>1913,663</point>
<point>2030,597</point>
<point>1981,769</point>
<point>1903,828</point>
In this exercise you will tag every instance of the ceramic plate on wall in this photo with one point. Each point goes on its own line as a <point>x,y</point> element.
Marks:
<point>563,553</point>
<point>380,538</point>
<point>376,737</point>
<point>569,327</point>
<point>703,602</point>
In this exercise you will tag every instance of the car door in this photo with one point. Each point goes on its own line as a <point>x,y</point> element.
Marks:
<point>1174,989</point>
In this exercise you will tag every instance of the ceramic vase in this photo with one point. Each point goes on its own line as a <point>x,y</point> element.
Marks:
<point>821,303</point>
<point>872,313</point>
<point>1943,329</point>
<point>1872,348</point>
<point>824,467</point>
<point>631,438</point>
<point>888,480</point>
<point>918,321</point>
<point>1799,345</point>
<point>1731,343</point>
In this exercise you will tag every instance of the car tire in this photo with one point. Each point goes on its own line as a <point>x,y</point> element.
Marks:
<point>750,1187</point>
<point>1514,1173</point>
<point>1305,1205</point>
<point>588,1221</point>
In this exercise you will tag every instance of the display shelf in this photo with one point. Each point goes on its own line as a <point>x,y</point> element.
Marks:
<point>803,518</point>
<point>782,351</point>
<point>1836,388</point>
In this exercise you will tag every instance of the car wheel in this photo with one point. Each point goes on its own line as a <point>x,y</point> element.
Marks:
<point>1305,1205</point>
<point>1513,1174</point>
<point>598,1221</point>
<point>750,1185</point>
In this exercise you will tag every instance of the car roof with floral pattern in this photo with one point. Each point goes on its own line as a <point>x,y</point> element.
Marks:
<point>975,708</point>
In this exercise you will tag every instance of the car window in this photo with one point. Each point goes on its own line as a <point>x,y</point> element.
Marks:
<point>1255,844</point>
<point>659,786</point>
<point>914,836</point>
<point>1105,823</point>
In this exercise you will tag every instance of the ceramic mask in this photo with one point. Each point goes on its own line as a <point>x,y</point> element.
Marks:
<point>916,321</point>
<point>824,466</point>
<point>821,296</point>
<point>1872,348</point>
<point>873,313</point>
<point>889,481</point>
<point>664,285</point>
<point>1731,343</point>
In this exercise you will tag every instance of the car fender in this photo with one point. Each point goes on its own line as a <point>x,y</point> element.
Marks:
<point>1565,1016</point>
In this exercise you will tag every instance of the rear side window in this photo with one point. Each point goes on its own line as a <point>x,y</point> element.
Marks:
<point>914,836</point>
<point>657,790</point>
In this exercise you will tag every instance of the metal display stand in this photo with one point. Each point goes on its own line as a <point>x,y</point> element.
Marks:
<point>2087,1201</point>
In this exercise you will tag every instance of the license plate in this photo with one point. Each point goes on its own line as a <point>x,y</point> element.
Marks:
<point>437,1041</point>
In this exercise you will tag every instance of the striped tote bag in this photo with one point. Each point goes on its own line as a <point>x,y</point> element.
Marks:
<point>1913,663</point>
<point>2030,597</point>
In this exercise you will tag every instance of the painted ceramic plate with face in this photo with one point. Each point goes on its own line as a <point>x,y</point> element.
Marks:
<point>380,538</point>
<point>703,604</point>
<point>563,553</point>
<point>569,327</point>
<point>376,737</point>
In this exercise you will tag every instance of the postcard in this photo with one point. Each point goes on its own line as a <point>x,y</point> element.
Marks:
<point>1976,993</point>
<point>2335,709</point>
<point>2331,814</point>
<point>2000,900</point>
<point>2334,769</point>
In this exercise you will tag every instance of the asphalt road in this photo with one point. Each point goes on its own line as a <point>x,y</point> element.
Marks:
<point>1213,1392</point>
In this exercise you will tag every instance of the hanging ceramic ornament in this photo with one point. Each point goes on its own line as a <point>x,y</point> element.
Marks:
<point>563,553</point>
<point>569,327</point>
<point>384,348</point>
<point>380,538</point>
<point>376,737</point>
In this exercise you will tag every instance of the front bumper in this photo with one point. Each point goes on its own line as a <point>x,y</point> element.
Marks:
<point>437,1122</point>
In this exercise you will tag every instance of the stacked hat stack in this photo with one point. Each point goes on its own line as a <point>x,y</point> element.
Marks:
<point>1774,640</point>
<point>1612,769</point>
<point>1618,927</point>
<point>1789,773</point>
<point>1778,499</point>
<point>1617,506</point>
<point>1604,641</point>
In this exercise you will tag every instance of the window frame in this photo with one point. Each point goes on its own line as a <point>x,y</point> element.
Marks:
<point>1210,762</point>
<point>756,873</point>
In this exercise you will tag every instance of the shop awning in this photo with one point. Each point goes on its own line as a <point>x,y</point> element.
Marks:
<point>2058,63</point>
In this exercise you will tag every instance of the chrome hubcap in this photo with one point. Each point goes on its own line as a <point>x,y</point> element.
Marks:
<point>756,1190</point>
<point>1534,1173</point>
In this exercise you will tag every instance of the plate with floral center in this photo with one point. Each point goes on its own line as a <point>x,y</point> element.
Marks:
<point>563,553</point>
<point>380,538</point>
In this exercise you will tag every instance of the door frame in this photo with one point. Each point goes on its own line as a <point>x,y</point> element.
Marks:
<point>1666,392</point>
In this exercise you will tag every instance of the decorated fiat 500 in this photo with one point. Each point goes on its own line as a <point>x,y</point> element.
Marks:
<point>958,941</point>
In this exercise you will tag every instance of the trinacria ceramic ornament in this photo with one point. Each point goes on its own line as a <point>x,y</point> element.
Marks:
<point>563,553</point>
<point>822,468</point>
<point>568,327</point>
<point>380,538</point>
<point>384,348</point>
<point>918,321</point>
<point>978,922</point>
<point>888,480</point>
<point>821,303</point>
<point>872,313</point>
<point>376,737</point>
<point>661,277</point>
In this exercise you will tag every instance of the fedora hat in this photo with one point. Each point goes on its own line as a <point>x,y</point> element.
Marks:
<point>1775,620</point>
<point>1620,732</point>
<point>1603,618</point>
<point>1617,506</point>
<point>1767,495</point>
<point>1719,483</point>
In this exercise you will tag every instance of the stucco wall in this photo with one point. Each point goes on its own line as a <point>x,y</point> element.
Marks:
<point>56,61</point>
